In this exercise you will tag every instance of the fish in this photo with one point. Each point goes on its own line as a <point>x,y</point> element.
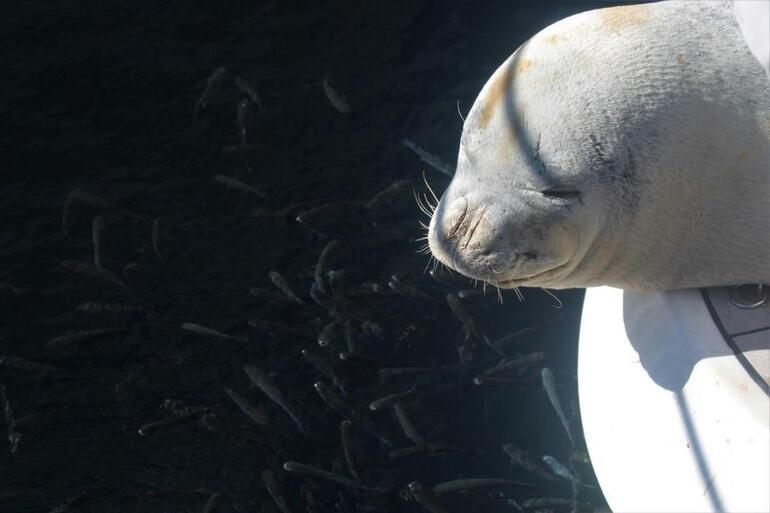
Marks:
<point>347,412</point>
<point>425,498</point>
<point>326,368</point>
<point>429,448</point>
<point>431,160</point>
<point>156,239</point>
<point>263,382</point>
<point>459,311</point>
<point>521,457</point>
<point>255,413</point>
<point>71,202</point>
<point>335,99</point>
<point>549,383</point>
<point>280,282</point>
<point>559,469</point>
<point>14,437</point>
<point>464,485</point>
<point>169,423</point>
<point>203,330</point>
<point>212,82</point>
<point>80,337</point>
<point>275,491</point>
<point>507,339</point>
<point>211,504</point>
<point>242,117</point>
<point>317,473</point>
<point>406,424</point>
<point>328,333</point>
<point>350,338</point>
<point>346,437</point>
<point>75,267</point>
<point>94,307</point>
<point>14,362</point>
<point>404,290</point>
<point>506,365</point>
<point>248,89</point>
<point>388,400</point>
<point>391,199</point>
<point>236,184</point>
<point>320,266</point>
<point>97,228</point>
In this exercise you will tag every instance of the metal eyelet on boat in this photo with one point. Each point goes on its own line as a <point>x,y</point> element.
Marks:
<point>748,297</point>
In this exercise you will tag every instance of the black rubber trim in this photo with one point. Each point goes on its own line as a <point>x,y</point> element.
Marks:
<point>730,342</point>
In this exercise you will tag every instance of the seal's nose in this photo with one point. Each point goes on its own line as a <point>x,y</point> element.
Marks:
<point>462,236</point>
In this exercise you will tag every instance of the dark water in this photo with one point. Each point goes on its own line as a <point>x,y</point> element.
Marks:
<point>100,97</point>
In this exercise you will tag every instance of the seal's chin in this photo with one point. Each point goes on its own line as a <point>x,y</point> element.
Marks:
<point>539,279</point>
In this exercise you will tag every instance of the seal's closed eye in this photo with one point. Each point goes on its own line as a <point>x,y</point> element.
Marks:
<point>561,194</point>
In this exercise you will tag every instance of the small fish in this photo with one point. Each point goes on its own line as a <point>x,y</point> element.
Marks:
<point>336,99</point>
<point>248,89</point>
<point>236,184</point>
<point>425,498</point>
<point>326,368</point>
<point>346,437</point>
<point>14,362</point>
<point>328,333</point>
<point>275,491</point>
<point>463,485</point>
<point>373,329</point>
<point>350,338</point>
<point>280,282</point>
<point>458,309</point>
<point>317,473</point>
<point>212,82</point>
<point>511,337</point>
<point>549,383</point>
<point>203,330</point>
<point>391,199</point>
<point>332,211</point>
<point>406,424</point>
<point>156,226</point>
<point>255,413</point>
<point>432,160</point>
<point>92,271</point>
<point>388,400</point>
<point>261,380</point>
<point>93,307</point>
<point>559,469</point>
<point>347,412</point>
<point>242,113</point>
<point>71,203</point>
<point>80,337</point>
<point>506,365</point>
<point>211,504</point>
<point>14,437</point>
<point>169,423</point>
<point>97,228</point>
<point>521,457</point>
<point>320,266</point>
<point>404,290</point>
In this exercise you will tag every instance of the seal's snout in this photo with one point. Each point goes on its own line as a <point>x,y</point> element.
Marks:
<point>464,236</point>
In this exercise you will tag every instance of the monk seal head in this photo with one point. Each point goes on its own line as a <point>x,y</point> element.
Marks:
<point>587,158</point>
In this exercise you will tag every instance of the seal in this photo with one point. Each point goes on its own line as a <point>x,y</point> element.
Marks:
<point>625,146</point>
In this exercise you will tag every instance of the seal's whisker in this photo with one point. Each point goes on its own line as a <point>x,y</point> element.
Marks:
<point>424,179</point>
<point>458,111</point>
<point>518,293</point>
<point>499,295</point>
<point>430,260</point>
<point>424,226</point>
<point>418,239</point>
<point>421,206</point>
<point>559,304</point>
